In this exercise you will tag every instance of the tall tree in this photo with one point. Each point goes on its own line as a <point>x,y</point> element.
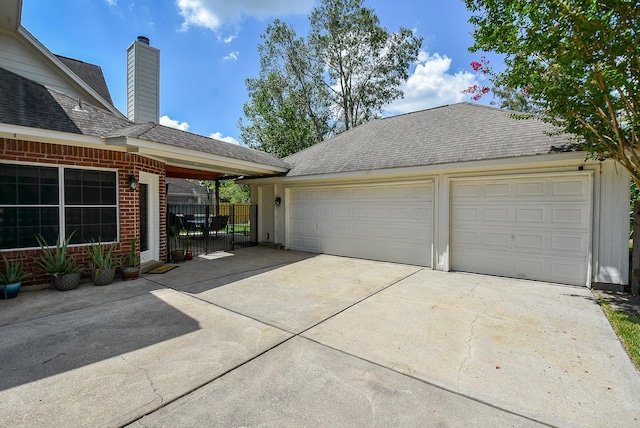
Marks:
<point>342,75</point>
<point>364,63</point>
<point>579,61</point>
<point>288,108</point>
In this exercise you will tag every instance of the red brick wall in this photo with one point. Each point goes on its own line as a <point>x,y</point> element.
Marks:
<point>126,164</point>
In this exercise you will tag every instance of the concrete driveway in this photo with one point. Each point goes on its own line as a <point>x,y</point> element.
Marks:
<point>281,338</point>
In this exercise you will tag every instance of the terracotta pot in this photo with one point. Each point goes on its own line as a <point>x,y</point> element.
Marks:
<point>130,272</point>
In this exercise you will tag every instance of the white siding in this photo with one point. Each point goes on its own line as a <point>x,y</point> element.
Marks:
<point>611,225</point>
<point>17,58</point>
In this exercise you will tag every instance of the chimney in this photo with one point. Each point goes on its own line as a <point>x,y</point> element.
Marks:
<point>143,82</point>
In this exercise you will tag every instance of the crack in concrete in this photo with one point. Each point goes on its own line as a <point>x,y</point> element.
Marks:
<point>149,379</point>
<point>470,338</point>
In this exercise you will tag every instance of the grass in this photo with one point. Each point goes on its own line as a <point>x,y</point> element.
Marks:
<point>627,327</point>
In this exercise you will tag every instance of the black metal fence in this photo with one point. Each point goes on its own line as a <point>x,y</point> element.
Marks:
<point>205,229</point>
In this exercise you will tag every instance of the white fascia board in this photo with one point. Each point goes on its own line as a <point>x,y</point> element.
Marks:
<point>26,133</point>
<point>537,161</point>
<point>40,49</point>
<point>178,156</point>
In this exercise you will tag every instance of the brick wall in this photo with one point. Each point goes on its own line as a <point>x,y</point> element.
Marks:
<point>126,163</point>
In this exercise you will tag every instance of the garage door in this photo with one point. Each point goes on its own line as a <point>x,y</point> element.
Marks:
<point>534,228</point>
<point>377,222</point>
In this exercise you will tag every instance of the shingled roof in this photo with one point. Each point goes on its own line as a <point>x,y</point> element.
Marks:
<point>27,103</point>
<point>443,135</point>
<point>91,74</point>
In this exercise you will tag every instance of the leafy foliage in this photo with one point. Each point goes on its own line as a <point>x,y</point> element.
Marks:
<point>13,272</point>
<point>132,258</point>
<point>340,76</point>
<point>364,63</point>
<point>100,255</point>
<point>230,191</point>
<point>579,63</point>
<point>57,260</point>
<point>288,108</point>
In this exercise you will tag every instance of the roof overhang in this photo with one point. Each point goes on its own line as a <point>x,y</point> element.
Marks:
<point>187,163</point>
<point>180,163</point>
<point>552,160</point>
<point>194,174</point>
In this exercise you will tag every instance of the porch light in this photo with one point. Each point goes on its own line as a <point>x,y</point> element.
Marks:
<point>278,201</point>
<point>133,183</point>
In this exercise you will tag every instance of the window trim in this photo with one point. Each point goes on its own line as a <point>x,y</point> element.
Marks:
<point>61,203</point>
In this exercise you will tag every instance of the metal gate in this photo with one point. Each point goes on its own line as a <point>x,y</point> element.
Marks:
<point>205,229</point>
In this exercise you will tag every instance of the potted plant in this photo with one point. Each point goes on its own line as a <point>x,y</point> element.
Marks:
<point>102,266</point>
<point>187,244</point>
<point>59,263</point>
<point>177,253</point>
<point>278,246</point>
<point>11,279</point>
<point>131,265</point>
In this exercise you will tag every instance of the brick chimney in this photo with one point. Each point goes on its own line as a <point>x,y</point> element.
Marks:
<point>143,82</point>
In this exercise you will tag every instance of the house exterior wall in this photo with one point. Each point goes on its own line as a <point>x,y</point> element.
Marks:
<point>15,57</point>
<point>37,153</point>
<point>609,217</point>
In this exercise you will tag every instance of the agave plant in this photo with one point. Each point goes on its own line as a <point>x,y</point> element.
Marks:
<point>57,261</point>
<point>13,272</point>
<point>101,255</point>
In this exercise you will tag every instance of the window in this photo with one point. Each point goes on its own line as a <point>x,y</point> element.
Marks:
<point>32,201</point>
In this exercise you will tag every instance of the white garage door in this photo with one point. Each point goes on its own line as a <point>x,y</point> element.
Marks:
<point>534,228</point>
<point>377,222</point>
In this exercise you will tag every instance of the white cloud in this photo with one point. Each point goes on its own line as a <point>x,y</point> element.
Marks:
<point>228,39</point>
<point>432,85</point>
<point>212,14</point>
<point>218,136</point>
<point>112,2</point>
<point>233,56</point>
<point>172,123</point>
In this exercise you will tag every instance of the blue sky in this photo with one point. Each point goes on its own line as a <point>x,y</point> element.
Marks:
<point>208,49</point>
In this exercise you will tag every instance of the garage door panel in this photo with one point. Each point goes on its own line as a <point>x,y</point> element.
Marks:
<point>534,228</point>
<point>387,222</point>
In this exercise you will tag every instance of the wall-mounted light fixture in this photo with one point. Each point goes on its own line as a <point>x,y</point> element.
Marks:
<point>133,183</point>
<point>278,201</point>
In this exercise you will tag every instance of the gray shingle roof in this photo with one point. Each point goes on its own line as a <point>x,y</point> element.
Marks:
<point>442,135</point>
<point>27,103</point>
<point>91,74</point>
<point>177,138</point>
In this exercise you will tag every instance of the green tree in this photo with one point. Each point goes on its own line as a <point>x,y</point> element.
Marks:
<point>230,191</point>
<point>513,99</point>
<point>579,63</point>
<point>364,64</point>
<point>288,108</point>
<point>342,75</point>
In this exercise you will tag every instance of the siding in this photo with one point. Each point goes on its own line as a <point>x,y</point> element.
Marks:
<point>17,58</point>
<point>611,224</point>
<point>143,77</point>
